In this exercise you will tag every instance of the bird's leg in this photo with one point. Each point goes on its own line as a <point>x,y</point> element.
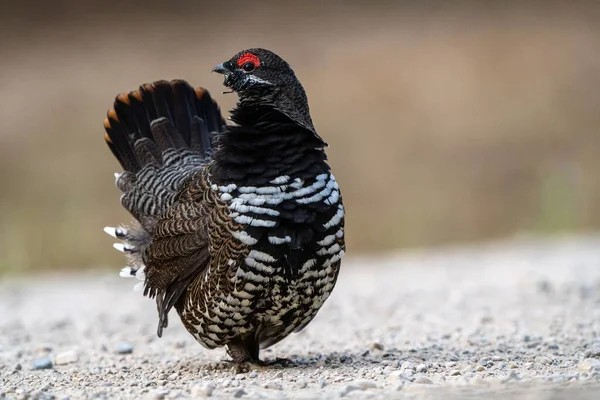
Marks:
<point>244,354</point>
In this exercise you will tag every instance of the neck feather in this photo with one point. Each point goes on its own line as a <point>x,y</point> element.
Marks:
<point>263,145</point>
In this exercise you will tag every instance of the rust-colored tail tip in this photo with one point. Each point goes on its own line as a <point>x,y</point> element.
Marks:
<point>136,95</point>
<point>199,93</point>
<point>112,114</point>
<point>148,87</point>
<point>124,98</point>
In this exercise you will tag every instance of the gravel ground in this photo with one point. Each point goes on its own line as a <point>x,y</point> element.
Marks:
<point>518,318</point>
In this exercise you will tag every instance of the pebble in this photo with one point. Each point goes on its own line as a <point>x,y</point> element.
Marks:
<point>589,365</point>
<point>273,385</point>
<point>300,384</point>
<point>347,389</point>
<point>407,365</point>
<point>124,348</point>
<point>454,372</point>
<point>160,394</point>
<point>398,376</point>
<point>423,380</point>
<point>239,393</point>
<point>203,389</point>
<point>544,360</point>
<point>42,363</point>
<point>513,376</point>
<point>377,346</point>
<point>593,350</point>
<point>364,384</point>
<point>450,364</point>
<point>358,385</point>
<point>66,357</point>
<point>421,368</point>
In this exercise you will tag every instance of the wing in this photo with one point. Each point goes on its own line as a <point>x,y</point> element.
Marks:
<point>190,237</point>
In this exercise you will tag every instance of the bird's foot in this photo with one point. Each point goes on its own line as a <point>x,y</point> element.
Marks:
<point>249,366</point>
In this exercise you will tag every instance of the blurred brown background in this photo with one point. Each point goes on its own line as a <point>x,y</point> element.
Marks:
<point>447,121</point>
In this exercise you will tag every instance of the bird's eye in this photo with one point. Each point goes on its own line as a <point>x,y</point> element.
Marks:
<point>248,67</point>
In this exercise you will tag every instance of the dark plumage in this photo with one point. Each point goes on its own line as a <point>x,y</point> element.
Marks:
<point>239,227</point>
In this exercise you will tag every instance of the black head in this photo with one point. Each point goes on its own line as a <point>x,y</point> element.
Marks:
<point>261,77</point>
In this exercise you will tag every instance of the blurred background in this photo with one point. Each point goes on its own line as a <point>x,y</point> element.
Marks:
<point>448,122</point>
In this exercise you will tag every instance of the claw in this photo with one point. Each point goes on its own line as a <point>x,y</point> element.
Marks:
<point>123,248</point>
<point>117,233</point>
<point>126,273</point>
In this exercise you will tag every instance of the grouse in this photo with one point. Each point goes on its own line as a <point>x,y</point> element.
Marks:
<point>239,227</point>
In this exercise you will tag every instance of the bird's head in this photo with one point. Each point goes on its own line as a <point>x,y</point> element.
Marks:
<point>256,71</point>
<point>261,77</point>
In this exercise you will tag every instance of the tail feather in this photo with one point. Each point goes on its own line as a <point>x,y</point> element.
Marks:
<point>160,134</point>
<point>170,114</point>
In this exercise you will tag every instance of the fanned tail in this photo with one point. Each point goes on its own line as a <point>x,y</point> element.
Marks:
<point>160,134</point>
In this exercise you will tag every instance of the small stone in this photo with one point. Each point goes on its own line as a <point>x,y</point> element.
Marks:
<point>497,358</point>
<point>512,365</point>
<point>42,363</point>
<point>364,384</point>
<point>124,348</point>
<point>407,365</point>
<point>450,364</point>
<point>589,365</point>
<point>347,389</point>
<point>273,385</point>
<point>421,368</point>
<point>454,372</point>
<point>423,380</point>
<point>544,360</point>
<point>323,383</point>
<point>513,376</point>
<point>66,357</point>
<point>377,346</point>
<point>160,394</point>
<point>300,384</point>
<point>480,368</point>
<point>593,350</point>
<point>203,390</point>
<point>398,376</point>
<point>239,393</point>
<point>173,376</point>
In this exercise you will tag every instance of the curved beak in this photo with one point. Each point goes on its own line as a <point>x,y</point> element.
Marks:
<point>222,68</point>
